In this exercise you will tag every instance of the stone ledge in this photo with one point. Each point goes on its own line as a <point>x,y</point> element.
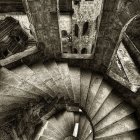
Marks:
<point>18,57</point>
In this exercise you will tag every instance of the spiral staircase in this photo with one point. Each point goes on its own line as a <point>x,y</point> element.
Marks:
<point>44,96</point>
<point>86,106</point>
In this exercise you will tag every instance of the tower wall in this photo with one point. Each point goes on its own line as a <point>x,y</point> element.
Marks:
<point>85,11</point>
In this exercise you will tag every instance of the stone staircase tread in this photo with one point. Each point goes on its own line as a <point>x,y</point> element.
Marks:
<point>55,127</point>
<point>8,90</point>
<point>84,86</point>
<point>59,126</point>
<point>96,81</point>
<point>55,73</point>
<point>47,138</point>
<point>61,118</point>
<point>8,100</point>
<point>40,70</point>
<point>65,73</point>
<point>52,132</point>
<point>75,80</point>
<point>69,117</point>
<point>126,124</point>
<point>132,135</point>
<point>28,75</point>
<point>117,114</point>
<point>111,102</point>
<point>90,137</point>
<point>87,130</point>
<point>9,77</point>
<point>101,96</point>
<point>81,125</point>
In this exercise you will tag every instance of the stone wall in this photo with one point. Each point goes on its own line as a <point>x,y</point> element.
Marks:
<point>44,17</point>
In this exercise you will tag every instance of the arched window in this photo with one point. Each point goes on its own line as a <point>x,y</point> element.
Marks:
<point>76,30</point>
<point>64,33</point>
<point>85,28</point>
<point>75,51</point>
<point>84,51</point>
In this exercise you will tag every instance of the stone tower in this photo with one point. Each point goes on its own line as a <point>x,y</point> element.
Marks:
<point>84,25</point>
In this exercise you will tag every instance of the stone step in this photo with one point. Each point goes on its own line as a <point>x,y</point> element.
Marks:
<point>9,103</point>
<point>117,114</point>
<point>56,129</point>
<point>55,73</point>
<point>28,75</point>
<point>132,135</point>
<point>96,81</point>
<point>65,73</point>
<point>59,124</point>
<point>84,86</point>
<point>9,100</point>
<point>81,125</point>
<point>101,96</point>
<point>49,138</point>
<point>75,80</point>
<point>61,119</point>
<point>69,117</point>
<point>9,77</point>
<point>111,103</point>
<point>90,137</point>
<point>40,70</point>
<point>51,132</point>
<point>7,90</point>
<point>86,130</point>
<point>126,124</point>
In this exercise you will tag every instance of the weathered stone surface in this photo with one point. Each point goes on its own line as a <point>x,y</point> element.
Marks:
<point>86,12</point>
<point>115,16</point>
<point>44,17</point>
<point>124,70</point>
<point>132,49</point>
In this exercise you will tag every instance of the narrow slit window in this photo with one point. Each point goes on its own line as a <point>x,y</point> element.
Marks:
<point>76,30</point>
<point>85,28</point>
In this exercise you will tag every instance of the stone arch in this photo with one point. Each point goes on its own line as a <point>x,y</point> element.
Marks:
<point>84,51</point>
<point>75,51</point>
